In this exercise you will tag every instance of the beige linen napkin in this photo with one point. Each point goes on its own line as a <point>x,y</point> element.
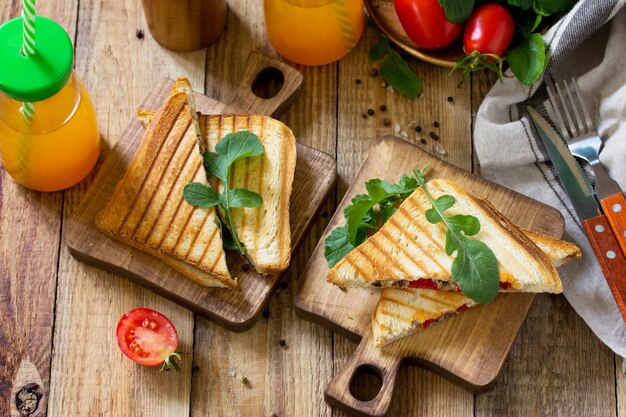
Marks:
<point>589,44</point>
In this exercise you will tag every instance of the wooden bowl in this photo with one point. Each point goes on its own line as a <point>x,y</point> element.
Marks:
<point>384,15</point>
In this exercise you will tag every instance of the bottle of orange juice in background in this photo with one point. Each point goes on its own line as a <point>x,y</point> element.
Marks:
<point>57,143</point>
<point>314,32</point>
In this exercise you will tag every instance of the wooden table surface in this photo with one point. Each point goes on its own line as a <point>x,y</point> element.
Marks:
<point>58,316</point>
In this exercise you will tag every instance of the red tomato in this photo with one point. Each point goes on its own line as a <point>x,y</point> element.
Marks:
<point>489,30</point>
<point>146,336</point>
<point>426,24</point>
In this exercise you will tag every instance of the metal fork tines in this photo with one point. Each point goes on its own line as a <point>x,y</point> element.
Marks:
<point>579,131</point>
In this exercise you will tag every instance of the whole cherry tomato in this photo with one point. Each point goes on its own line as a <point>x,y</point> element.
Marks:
<point>425,22</point>
<point>489,30</point>
<point>148,338</point>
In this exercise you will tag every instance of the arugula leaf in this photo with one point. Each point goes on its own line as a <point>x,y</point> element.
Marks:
<point>528,59</point>
<point>337,245</point>
<point>378,51</point>
<point>362,216</point>
<point>457,11</point>
<point>524,4</point>
<point>378,190</point>
<point>476,271</point>
<point>548,7</point>
<point>394,69</point>
<point>475,268</point>
<point>396,72</point>
<point>200,195</point>
<point>240,197</point>
<point>230,148</point>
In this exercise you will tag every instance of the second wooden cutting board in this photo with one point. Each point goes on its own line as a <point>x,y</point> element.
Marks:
<point>470,348</point>
<point>235,309</point>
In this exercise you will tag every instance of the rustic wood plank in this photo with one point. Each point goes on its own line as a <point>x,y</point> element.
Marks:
<point>29,247</point>
<point>481,83</point>
<point>620,385</point>
<point>422,393</point>
<point>287,381</point>
<point>90,375</point>
<point>557,367</point>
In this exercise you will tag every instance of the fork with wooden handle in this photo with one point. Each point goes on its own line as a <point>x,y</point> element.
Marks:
<point>583,141</point>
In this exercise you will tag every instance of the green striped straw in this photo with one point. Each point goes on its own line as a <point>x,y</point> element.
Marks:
<point>29,13</point>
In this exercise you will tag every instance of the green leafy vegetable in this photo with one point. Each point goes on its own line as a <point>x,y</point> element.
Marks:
<point>368,212</point>
<point>528,59</point>
<point>200,195</point>
<point>548,7</point>
<point>457,11</point>
<point>337,245</point>
<point>524,4</point>
<point>231,148</point>
<point>394,69</point>
<point>475,268</point>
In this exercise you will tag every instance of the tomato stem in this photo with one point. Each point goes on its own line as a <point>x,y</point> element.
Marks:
<point>477,62</point>
<point>171,362</point>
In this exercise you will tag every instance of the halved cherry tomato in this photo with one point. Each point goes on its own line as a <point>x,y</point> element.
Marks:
<point>425,22</point>
<point>489,30</point>
<point>147,337</point>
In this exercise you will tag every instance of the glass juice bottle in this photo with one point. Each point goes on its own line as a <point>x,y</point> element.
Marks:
<point>314,32</point>
<point>59,145</point>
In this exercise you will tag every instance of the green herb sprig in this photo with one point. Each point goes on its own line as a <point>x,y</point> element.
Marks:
<point>231,148</point>
<point>475,267</point>
<point>394,69</point>
<point>367,213</point>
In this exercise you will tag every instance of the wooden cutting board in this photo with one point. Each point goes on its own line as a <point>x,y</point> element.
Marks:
<point>469,348</point>
<point>235,309</point>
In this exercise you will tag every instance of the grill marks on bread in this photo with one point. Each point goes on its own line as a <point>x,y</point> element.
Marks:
<point>147,209</point>
<point>408,247</point>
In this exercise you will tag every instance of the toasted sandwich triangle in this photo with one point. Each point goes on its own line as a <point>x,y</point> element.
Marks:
<point>147,209</point>
<point>409,250</point>
<point>403,311</point>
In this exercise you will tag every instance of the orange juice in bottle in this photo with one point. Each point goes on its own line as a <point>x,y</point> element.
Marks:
<point>314,32</point>
<point>58,144</point>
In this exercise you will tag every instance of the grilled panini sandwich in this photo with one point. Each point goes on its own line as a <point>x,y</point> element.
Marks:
<point>265,231</point>
<point>408,251</point>
<point>402,311</point>
<point>147,209</point>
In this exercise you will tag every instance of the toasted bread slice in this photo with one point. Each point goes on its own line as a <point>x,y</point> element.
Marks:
<point>408,250</point>
<point>147,209</point>
<point>264,231</point>
<point>402,311</point>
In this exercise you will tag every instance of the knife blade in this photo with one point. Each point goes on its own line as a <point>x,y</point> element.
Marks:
<point>603,241</point>
<point>574,181</point>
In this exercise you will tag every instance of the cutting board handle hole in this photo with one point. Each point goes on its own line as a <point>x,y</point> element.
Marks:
<point>366,382</point>
<point>268,82</point>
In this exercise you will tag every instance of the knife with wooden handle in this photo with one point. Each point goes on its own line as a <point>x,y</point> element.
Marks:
<point>605,231</point>
<point>614,207</point>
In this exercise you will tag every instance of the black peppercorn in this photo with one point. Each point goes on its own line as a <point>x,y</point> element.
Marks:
<point>450,98</point>
<point>139,34</point>
<point>436,123</point>
<point>383,107</point>
<point>370,112</point>
<point>431,134</point>
<point>282,342</point>
<point>418,128</point>
<point>358,81</point>
<point>386,122</point>
<point>364,115</point>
